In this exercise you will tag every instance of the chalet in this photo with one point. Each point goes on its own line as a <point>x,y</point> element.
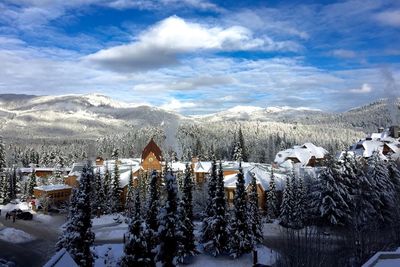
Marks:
<point>42,171</point>
<point>262,174</point>
<point>57,193</point>
<point>151,157</point>
<point>307,154</point>
<point>386,143</point>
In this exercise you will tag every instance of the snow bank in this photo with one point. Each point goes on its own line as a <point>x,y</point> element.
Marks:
<point>13,235</point>
<point>106,220</point>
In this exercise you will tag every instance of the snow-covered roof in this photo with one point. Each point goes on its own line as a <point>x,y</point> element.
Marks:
<point>61,259</point>
<point>52,187</point>
<point>124,171</point>
<point>202,166</point>
<point>178,166</point>
<point>302,153</point>
<point>366,147</point>
<point>262,174</point>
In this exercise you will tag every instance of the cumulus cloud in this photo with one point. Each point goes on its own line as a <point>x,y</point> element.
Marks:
<point>365,89</point>
<point>390,18</point>
<point>177,105</point>
<point>162,44</point>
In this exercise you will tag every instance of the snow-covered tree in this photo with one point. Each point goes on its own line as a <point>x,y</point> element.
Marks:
<point>254,218</point>
<point>137,248</point>
<point>299,208</point>
<point>168,219</point>
<point>32,183</point>
<point>240,241</point>
<point>378,176</point>
<point>272,204</point>
<point>107,191</point>
<point>152,206</point>
<point>116,190</point>
<point>2,156</point>
<point>186,242</point>
<point>330,195</point>
<point>130,197</point>
<point>77,237</point>
<point>216,241</point>
<point>206,234</point>
<point>286,213</point>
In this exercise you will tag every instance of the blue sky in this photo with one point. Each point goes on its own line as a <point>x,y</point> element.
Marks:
<point>197,57</point>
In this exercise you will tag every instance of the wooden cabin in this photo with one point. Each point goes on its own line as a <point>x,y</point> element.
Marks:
<point>56,193</point>
<point>151,157</point>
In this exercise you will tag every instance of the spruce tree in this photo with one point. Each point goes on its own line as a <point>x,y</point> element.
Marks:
<point>153,202</point>
<point>168,219</point>
<point>286,208</point>
<point>2,156</point>
<point>130,197</point>
<point>99,197</point>
<point>186,238</point>
<point>239,232</point>
<point>272,199</point>
<point>137,247</point>
<point>32,183</point>
<point>107,191</point>
<point>242,146</point>
<point>116,190</point>
<point>330,195</point>
<point>299,207</point>
<point>206,233</point>
<point>254,217</point>
<point>378,176</point>
<point>217,232</point>
<point>77,237</point>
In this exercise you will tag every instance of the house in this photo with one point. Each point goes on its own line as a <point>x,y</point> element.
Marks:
<point>61,259</point>
<point>151,157</point>
<point>262,174</point>
<point>307,154</point>
<point>57,193</point>
<point>386,143</point>
<point>74,174</point>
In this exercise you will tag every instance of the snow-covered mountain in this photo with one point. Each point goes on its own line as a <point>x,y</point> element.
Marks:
<point>95,115</point>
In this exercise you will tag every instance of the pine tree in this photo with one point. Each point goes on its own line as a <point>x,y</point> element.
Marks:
<point>218,222</point>
<point>2,156</point>
<point>32,183</point>
<point>130,197</point>
<point>240,234</point>
<point>272,199</point>
<point>378,176</point>
<point>286,208</point>
<point>242,145</point>
<point>330,195</point>
<point>107,190</point>
<point>98,196</point>
<point>254,217</point>
<point>168,219</point>
<point>77,237</point>
<point>186,238</point>
<point>153,203</point>
<point>116,190</point>
<point>137,248</point>
<point>299,207</point>
<point>206,233</point>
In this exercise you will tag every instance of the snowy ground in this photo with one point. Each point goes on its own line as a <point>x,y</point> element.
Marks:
<point>110,254</point>
<point>109,227</point>
<point>15,236</point>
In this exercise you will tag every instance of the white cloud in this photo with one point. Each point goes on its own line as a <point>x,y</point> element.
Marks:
<point>161,45</point>
<point>344,53</point>
<point>391,17</point>
<point>177,105</point>
<point>161,4</point>
<point>365,89</point>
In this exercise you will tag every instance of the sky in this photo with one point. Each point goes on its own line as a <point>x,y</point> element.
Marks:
<point>197,57</point>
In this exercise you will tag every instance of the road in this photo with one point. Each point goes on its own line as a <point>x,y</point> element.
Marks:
<point>36,252</point>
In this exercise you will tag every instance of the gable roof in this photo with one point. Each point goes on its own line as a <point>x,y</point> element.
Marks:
<point>152,147</point>
<point>61,259</point>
